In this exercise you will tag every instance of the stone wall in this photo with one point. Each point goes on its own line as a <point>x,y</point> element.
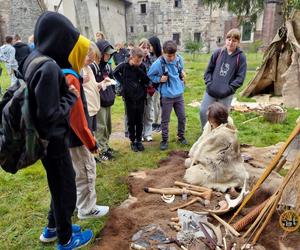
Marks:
<point>165,20</point>
<point>22,17</point>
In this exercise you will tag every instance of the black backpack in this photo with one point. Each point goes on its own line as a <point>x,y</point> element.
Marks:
<point>107,97</point>
<point>20,144</point>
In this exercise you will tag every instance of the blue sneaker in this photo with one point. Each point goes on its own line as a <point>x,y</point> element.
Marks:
<point>77,241</point>
<point>50,235</point>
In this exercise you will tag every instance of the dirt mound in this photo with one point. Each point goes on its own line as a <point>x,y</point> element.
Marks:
<point>146,209</point>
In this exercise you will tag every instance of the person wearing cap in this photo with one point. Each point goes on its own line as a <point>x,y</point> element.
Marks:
<point>107,99</point>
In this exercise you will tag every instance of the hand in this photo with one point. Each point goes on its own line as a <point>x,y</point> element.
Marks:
<point>183,75</point>
<point>73,90</point>
<point>95,152</point>
<point>164,78</point>
<point>86,78</point>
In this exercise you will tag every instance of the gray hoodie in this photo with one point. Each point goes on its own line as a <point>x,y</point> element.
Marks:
<point>7,55</point>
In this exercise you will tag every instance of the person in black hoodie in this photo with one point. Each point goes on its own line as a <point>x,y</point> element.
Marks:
<point>121,53</point>
<point>132,76</point>
<point>50,101</point>
<point>22,49</point>
<point>155,50</point>
<point>107,98</point>
<point>225,73</point>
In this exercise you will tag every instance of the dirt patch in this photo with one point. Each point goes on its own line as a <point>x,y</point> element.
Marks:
<point>146,209</point>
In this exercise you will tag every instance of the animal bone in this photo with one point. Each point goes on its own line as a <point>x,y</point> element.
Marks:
<point>186,204</point>
<point>232,203</point>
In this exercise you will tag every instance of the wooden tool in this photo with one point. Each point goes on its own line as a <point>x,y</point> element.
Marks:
<point>186,204</point>
<point>192,187</point>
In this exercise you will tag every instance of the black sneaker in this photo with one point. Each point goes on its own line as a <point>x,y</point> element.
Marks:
<point>140,146</point>
<point>106,156</point>
<point>163,145</point>
<point>134,147</point>
<point>158,128</point>
<point>182,140</point>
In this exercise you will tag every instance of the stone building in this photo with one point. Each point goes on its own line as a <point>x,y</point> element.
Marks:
<point>18,17</point>
<point>183,20</point>
<point>123,20</point>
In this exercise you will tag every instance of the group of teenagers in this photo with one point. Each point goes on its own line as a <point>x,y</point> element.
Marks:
<point>72,92</point>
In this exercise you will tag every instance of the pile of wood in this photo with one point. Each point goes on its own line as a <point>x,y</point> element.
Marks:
<point>262,214</point>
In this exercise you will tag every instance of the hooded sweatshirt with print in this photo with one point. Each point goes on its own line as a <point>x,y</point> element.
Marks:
<point>174,87</point>
<point>225,73</point>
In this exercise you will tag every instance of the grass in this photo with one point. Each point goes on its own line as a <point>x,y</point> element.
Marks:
<point>25,196</point>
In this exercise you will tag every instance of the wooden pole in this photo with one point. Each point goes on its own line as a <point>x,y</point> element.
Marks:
<point>269,169</point>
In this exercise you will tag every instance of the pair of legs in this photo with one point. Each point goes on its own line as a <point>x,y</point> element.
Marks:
<point>104,131</point>
<point>167,105</point>
<point>208,100</point>
<point>61,182</point>
<point>148,118</point>
<point>84,165</point>
<point>135,113</point>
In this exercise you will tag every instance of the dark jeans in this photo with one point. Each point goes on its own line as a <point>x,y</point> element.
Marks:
<point>61,182</point>
<point>135,114</point>
<point>166,109</point>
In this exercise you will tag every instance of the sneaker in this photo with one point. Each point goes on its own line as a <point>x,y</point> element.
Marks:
<point>148,138</point>
<point>110,150</point>
<point>158,128</point>
<point>50,235</point>
<point>140,146</point>
<point>106,156</point>
<point>77,240</point>
<point>163,145</point>
<point>154,126</point>
<point>134,147</point>
<point>97,211</point>
<point>183,141</point>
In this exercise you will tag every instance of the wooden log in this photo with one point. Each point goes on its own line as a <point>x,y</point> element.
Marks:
<point>192,187</point>
<point>178,191</point>
<point>250,217</point>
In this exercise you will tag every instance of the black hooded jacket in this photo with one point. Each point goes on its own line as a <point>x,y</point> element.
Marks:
<point>22,51</point>
<point>107,97</point>
<point>155,43</point>
<point>49,97</point>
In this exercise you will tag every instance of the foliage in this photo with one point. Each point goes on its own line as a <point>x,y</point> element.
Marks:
<point>251,9</point>
<point>255,46</point>
<point>193,47</point>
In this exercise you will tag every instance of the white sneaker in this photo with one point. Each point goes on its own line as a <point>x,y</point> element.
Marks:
<point>148,138</point>
<point>96,212</point>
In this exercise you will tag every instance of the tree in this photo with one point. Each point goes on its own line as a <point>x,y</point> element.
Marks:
<point>249,10</point>
<point>193,47</point>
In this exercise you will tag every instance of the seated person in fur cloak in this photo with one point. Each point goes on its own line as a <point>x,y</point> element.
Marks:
<point>215,160</point>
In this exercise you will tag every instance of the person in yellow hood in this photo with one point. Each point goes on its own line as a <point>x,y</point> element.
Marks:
<point>50,103</point>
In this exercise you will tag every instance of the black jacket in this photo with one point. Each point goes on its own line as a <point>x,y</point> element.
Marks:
<point>133,80</point>
<point>22,51</point>
<point>120,56</point>
<point>49,97</point>
<point>107,97</point>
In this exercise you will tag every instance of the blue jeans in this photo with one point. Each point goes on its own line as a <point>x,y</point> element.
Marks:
<point>208,100</point>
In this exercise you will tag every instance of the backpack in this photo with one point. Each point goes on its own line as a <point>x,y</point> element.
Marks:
<point>165,68</point>
<point>107,97</point>
<point>20,144</point>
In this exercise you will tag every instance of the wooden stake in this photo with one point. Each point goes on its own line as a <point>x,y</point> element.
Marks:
<point>225,224</point>
<point>269,169</point>
<point>192,187</point>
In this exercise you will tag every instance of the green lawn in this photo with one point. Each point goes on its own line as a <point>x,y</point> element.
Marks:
<point>25,196</point>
